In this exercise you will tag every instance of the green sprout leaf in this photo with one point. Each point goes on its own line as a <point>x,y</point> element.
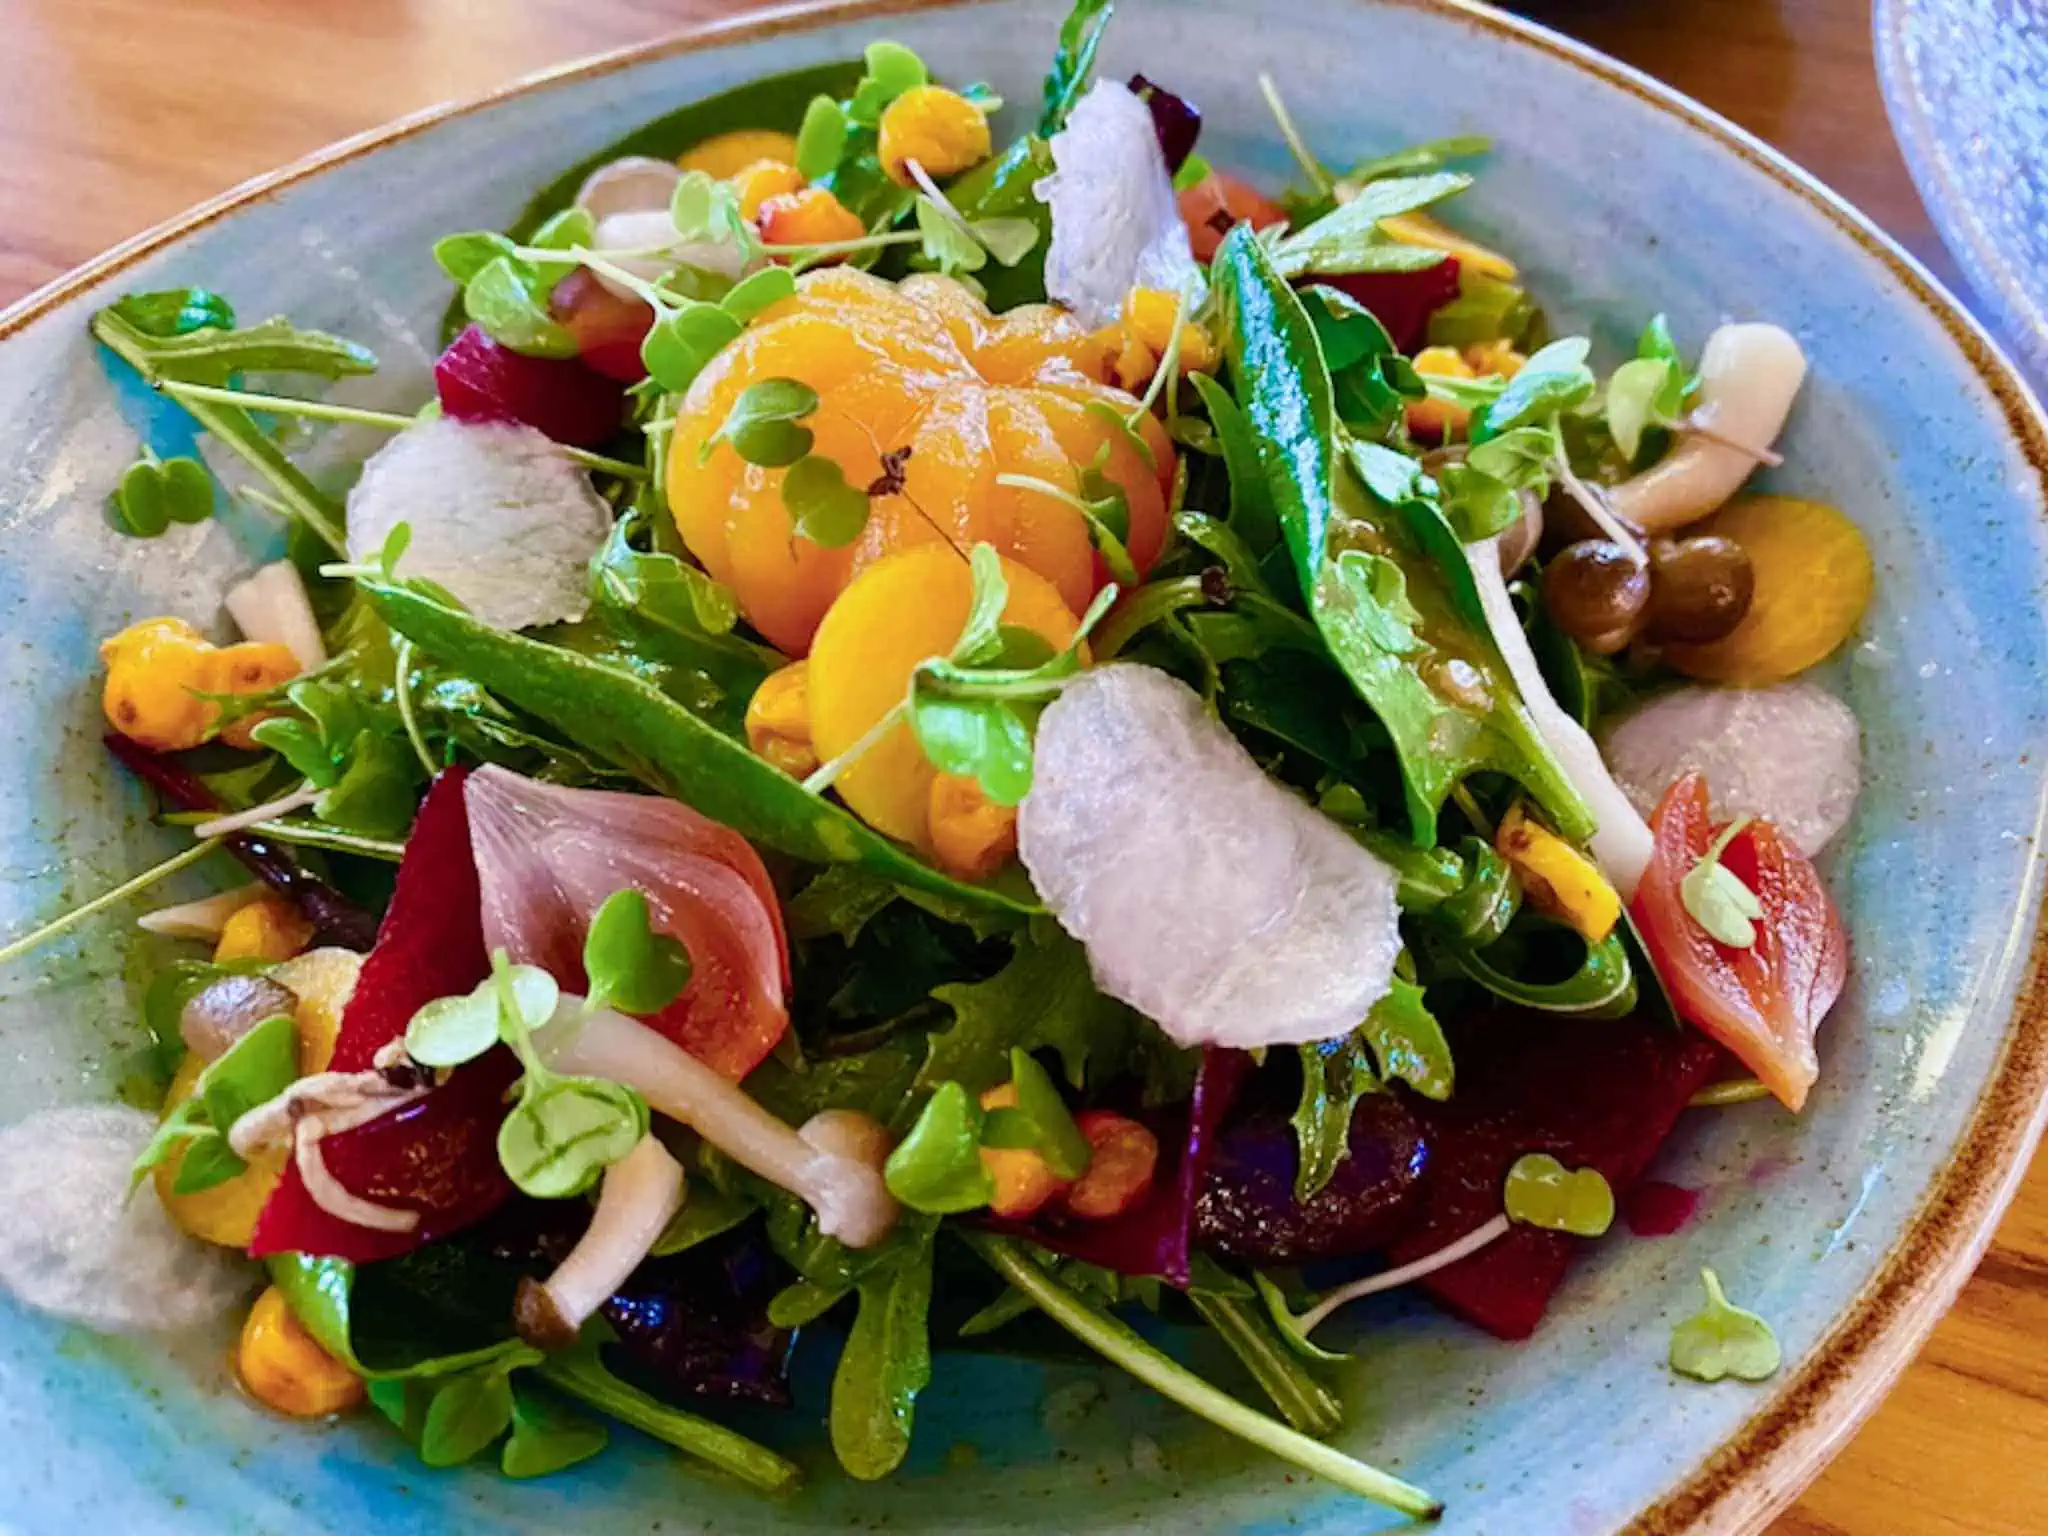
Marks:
<point>505,298</point>
<point>1009,240</point>
<point>1722,1340</point>
<point>822,507</point>
<point>981,637</point>
<point>252,1071</point>
<point>631,966</point>
<point>1554,379</point>
<point>463,256</point>
<point>1635,399</point>
<point>1717,899</point>
<point>1542,1192</point>
<point>452,1030</point>
<point>1058,1139</point>
<point>154,493</point>
<point>892,70</point>
<point>679,345</point>
<point>706,211</point>
<point>564,1133</point>
<point>750,295</point>
<point>937,1168</point>
<point>469,1411</point>
<point>946,244</point>
<point>822,138</point>
<point>762,424</point>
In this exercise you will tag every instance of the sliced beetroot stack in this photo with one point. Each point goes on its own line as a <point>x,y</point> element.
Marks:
<point>1401,301</point>
<point>563,397</point>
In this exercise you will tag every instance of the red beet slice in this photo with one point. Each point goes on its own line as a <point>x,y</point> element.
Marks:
<point>1592,1093</point>
<point>1153,1238</point>
<point>572,403</point>
<point>1401,301</point>
<point>1248,1211</point>
<point>438,1156</point>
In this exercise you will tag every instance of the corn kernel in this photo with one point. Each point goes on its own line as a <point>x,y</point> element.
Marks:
<point>941,130</point>
<point>1148,318</point>
<point>779,720</point>
<point>812,216</point>
<point>283,1366</point>
<point>1421,229</point>
<point>269,928</point>
<point>1557,879</point>
<point>971,836</point>
<point>1124,1158</point>
<point>1495,357</point>
<point>1433,418</point>
<point>765,179</point>
<point>1024,1180</point>
<point>723,156</point>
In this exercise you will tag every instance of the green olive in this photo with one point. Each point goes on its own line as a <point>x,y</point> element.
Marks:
<point>1700,589</point>
<point>1596,592</point>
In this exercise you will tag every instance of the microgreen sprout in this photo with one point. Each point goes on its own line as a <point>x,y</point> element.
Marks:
<point>1324,183</point>
<point>1715,897</point>
<point>1722,1340</point>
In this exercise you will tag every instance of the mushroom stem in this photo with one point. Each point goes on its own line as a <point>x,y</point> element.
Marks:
<point>847,1193</point>
<point>1749,376</point>
<point>641,1192</point>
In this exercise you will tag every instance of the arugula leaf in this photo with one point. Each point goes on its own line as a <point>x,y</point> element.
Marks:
<point>377,791</point>
<point>1074,62</point>
<point>1371,379</point>
<point>1253,517</point>
<point>1335,1075</point>
<point>626,720</point>
<point>708,1212</point>
<point>1418,158</point>
<point>885,1364</point>
<point>1407,1041</point>
<point>1486,309</point>
<point>631,966</point>
<point>174,311</point>
<point>1396,621</point>
<point>1349,238</point>
<point>1274,1364</point>
<point>1043,999</point>
<point>839,900</point>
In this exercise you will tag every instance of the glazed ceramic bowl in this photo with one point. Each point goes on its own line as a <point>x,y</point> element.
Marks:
<point>1850,1228</point>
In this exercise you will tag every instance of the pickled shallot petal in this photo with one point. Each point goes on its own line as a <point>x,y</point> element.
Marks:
<point>74,1244</point>
<point>1789,755</point>
<point>498,516</point>
<point>1115,221</point>
<point>1208,897</point>
<point>547,857</point>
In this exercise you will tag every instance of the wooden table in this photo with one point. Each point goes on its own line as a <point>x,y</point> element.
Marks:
<point>117,113</point>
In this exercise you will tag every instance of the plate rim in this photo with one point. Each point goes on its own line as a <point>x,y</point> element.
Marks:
<point>1760,1468</point>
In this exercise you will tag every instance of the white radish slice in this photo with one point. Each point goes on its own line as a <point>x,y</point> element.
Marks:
<point>1621,842</point>
<point>272,606</point>
<point>1209,898</point>
<point>636,232</point>
<point>1749,376</point>
<point>630,184</point>
<point>499,516</point>
<point>76,1246</point>
<point>1789,755</point>
<point>1115,221</point>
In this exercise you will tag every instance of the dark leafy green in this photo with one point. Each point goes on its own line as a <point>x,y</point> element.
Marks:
<point>1074,62</point>
<point>1044,999</point>
<point>629,722</point>
<point>885,1364</point>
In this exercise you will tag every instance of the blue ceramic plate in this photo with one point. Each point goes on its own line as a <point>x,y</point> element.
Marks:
<point>1850,1228</point>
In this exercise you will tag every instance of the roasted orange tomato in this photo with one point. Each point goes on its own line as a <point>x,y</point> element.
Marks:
<point>921,366</point>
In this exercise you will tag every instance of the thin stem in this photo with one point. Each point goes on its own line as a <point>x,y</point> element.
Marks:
<point>362,416</point>
<point>1118,1344</point>
<point>822,779</point>
<point>1394,1279</point>
<point>1168,361</point>
<point>1596,507</point>
<point>577,1374</point>
<point>323,530</point>
<point>1296,145</point>
<point>1770,458</point>
<point>1144,608</point>
<point>1739,1090</point>
<point>286,405</point>
<point>847,247</point>
<point>401,684</point>
<point>100,903</point>
<point>645,291</point>
<point>1481,822</point>
<point>1305,1402</point>
<point>241,821</point>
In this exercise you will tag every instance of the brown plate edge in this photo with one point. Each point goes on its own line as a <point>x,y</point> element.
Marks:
<point>1760,1469</point>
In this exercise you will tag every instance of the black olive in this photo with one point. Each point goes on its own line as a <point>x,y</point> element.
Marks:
<point>1700,589</point>
<point>1596,590</point>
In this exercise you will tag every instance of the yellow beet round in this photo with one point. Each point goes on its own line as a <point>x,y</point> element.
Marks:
<point>904,608</point>
<point>1813,581</point>
<point>284,1367</point>
<point>725,155</point>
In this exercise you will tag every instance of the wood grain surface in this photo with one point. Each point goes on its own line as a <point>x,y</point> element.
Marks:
<point>115,114</point>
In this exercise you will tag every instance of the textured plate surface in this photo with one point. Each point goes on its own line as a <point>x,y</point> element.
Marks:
<point>1849,1228</point>
<point>1966,83</point>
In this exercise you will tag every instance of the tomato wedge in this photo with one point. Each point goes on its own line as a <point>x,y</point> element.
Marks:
<point>547,857</point>
<point>1764,1003</point>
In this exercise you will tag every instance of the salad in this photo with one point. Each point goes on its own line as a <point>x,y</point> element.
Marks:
<point>929,743</point>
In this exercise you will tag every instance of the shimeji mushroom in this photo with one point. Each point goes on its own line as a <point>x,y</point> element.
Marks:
<point>1749,376</point>
<point>641,1192</point>
<point>840,1177</point>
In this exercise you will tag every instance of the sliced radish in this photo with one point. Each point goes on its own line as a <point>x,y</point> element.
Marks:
<point>1789,755</point>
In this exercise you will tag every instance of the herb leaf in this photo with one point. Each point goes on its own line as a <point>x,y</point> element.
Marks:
<point>1715,897</point>
<point>1542,1192</point>
<point>1722,1340</point>
<point>886,1362</point>
<point>1073,63</point>
<point>565,1131</point>
<point>547,1436</point>
<point>822,507</point>
<point>631,966</point>
<point>1042,999</point>
<point>252,1071</point>
<point>937,1167</point>
<point>468,1412</point>
<point>1349,238</point>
